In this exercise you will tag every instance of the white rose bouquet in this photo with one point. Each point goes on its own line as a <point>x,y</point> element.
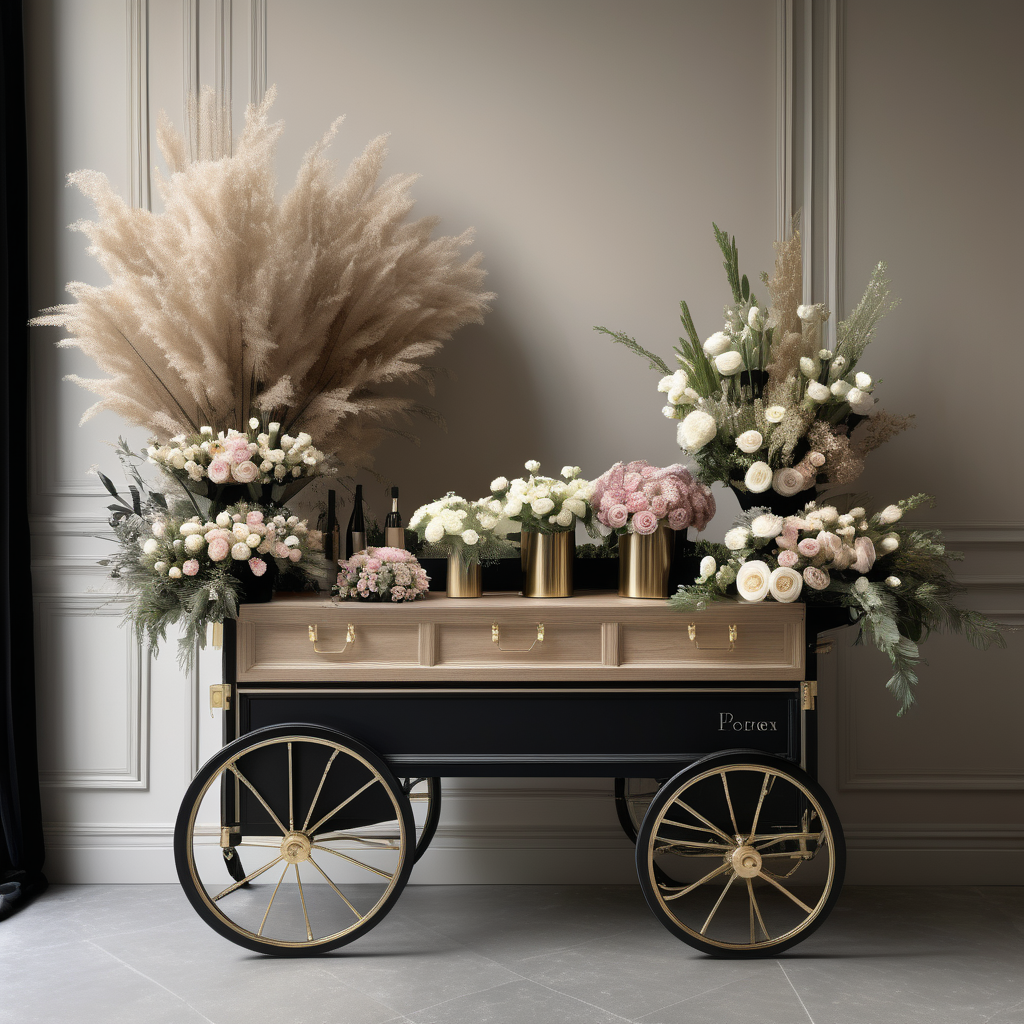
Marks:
<point>895,581</point>
<point>542,504</point>
<point>475,530</point>
<point>763,404</point>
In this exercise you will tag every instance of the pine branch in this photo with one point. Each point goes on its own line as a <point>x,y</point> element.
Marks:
<point>732,261</point>
<point>655,362</point>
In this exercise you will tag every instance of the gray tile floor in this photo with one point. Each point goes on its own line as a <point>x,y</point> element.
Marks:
<point>516,954</point>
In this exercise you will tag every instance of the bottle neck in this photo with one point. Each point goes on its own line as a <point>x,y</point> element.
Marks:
<point>394,504</point>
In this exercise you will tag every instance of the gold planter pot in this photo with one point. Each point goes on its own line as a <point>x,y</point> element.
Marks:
<point>547,560</point>
<point>464,578</point>
<point>644,563</point>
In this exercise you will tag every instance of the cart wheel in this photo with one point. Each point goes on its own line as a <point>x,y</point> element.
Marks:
<point>327,830</point>
<point>425,796</point>
<point>753,851</point>
<point>632,798</point>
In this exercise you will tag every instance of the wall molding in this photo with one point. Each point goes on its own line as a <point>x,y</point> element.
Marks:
<point>138,104</point>
<point>257,50</point>
<point>133,770</point>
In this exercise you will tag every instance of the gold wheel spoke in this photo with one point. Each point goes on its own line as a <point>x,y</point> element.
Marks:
<point>375,843</point>
<point>266,913</point>
<point>700,817</point>
<point>316,795</point>
<point>799,902</point>
<point>260,842</point>
<point>352,860</point>
<point>760,800</point>
<point>677,892</point>
<point>345,802</point>
<point>728,800</point>
<point>302,900</point>
<point>698,846</point>
<point>781,838</point>
<point>291,793</point>
<point>755,910</point>
<point>698,828</point>
<point>248,878</point>
<point>256,793</point>
<point>718,902</point>
<point>335,888</point>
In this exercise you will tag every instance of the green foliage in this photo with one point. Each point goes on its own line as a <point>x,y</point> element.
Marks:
<point>731,264</point>
<point>655,362</point>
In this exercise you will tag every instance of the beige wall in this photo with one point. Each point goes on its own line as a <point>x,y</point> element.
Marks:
<point>591,144</point>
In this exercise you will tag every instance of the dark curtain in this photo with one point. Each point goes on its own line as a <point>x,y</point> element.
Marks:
<point>21,844</point>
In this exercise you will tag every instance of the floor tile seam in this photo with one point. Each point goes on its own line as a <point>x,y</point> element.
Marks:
<point>102,936</point>
<point>152,981</point>
<point>569,995</point>
<point>795,992</point>
<point>461,995</point>
<point>696,995</point>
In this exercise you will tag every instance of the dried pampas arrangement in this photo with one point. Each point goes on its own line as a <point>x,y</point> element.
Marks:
<point>230,304</point>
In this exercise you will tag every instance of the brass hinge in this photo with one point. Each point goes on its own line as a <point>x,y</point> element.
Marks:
<point>220,697</point>
<point>808,694</point>
<point>230,835</point>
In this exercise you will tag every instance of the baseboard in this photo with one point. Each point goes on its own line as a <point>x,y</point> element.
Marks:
<point>877,855</point>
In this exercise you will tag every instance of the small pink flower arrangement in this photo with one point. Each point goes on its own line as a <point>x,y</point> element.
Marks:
<point>382,574</point>
<point>636,497</point>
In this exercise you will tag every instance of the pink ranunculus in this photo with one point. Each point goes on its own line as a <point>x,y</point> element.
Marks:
<point>258,566</point>
<point>241,453</point>
<point>617,517</point>
<point>659,506</point>
<point>373,564</point>
<point>281,550</point>
<point>865,554</point>
<point>294,554</point>
<point>816,579</point>
<point>645,522</point>
<point>636,502</point>
<point>219,471</point>
<point>191,567</point>
<point>808,547</point>
<point>246,472</point>
<point>631,481</point>
<point>253,518</point>
<point>788,559</point>
<point>680,518</point>
<point>831,545</point>
<point>789,538</point>
<point>218,549</point>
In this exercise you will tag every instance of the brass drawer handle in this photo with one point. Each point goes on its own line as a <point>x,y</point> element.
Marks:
<point>496,637</point>
<point>691,630</point>
<point>350,638</point>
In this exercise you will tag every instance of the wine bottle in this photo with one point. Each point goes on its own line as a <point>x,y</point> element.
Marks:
<point>332,549</point>
<point>394,535</point>
<point>355,534</point>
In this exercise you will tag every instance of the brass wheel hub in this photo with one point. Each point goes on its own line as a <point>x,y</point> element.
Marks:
<point>746,861</point>
<point>295,847</point>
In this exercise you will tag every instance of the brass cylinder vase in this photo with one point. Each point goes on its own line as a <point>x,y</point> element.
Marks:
<point>547,563</point>
<point>464,578</point>
<point>644,563</point>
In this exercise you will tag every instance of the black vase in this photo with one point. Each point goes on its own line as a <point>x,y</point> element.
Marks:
<point>779,504</point>
<point>255,589</point>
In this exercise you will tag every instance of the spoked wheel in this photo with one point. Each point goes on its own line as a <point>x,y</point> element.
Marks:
<point>741,855</point>
<point>425,796</point>
<point>326,831</point>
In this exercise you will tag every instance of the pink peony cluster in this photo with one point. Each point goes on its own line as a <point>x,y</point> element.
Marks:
<point>636,497</point>
<point>382,574</point>
<point>808,543</point>
<point>232,460</point>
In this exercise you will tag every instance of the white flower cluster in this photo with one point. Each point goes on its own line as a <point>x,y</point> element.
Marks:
<point>459,523</point>
<point>233,457</point>
<point>543,503</point>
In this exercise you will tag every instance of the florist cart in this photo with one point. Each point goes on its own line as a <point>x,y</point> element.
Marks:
<point>341,719</point>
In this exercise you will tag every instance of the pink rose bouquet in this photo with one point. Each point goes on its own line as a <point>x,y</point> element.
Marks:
<point>635,497</point>
<point>382,574</point>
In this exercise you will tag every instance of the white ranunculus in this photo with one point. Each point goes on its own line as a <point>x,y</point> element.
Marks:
<point>564,518</point>
<point>752,581</point>
<point>729,363</point>
<point>254,424</point>
<point>570,471</point>
<point>766,525</point>
<point>150,547</point>
<point>160,567</point>
<point>499,483</point>
<point>857,512</point>
<point>888,544</point>
<point>434,531</point>
<point>223,520</point>
<point>188,528</point>
<point>774,413</point>
<point>893,581</point>
<point>749,441</point>
<point>533,466</point>
<point>861,584</point>
<point>696,430</point>
<point>737,538</point>
<point>194,542</point>
<point>159,529</point>
<point>758,478</point>
<point>824,354</point>
<point>174,572</point>
<point>717,344</point>
<point>487,522</point>
<point>665,384</point>
<point>668,411</point>
<point>785,584</point>
<point>788,481</point>
<point>514,507</point>
<point>707,568</point>
<point>470,536</point>
<point>241,552</point>
<point>889,514</point>
<point>806,312</point>
<point>808,367</point>
<point>862,380</point>
<point>754,318</point>
<point>542,506</point>
<point>860,401</point>
<point>818,392</point>
<point>576,506</point>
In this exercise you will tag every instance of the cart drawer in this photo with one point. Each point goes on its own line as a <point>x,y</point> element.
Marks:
<point>519,644</point>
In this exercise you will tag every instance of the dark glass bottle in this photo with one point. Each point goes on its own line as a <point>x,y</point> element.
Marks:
<point>394,535</point>
<point>355,534</point>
